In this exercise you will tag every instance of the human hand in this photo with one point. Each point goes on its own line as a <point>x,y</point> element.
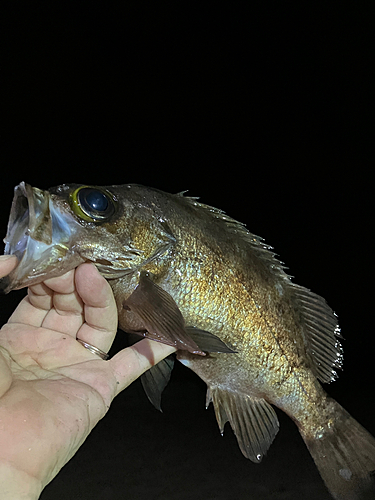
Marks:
<point>53,391</point>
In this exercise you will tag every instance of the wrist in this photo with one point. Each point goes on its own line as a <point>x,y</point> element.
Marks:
<point>18,485</point>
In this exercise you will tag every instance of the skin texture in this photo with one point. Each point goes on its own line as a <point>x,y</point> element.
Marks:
<point>206,271</point>
<point>53,391</point>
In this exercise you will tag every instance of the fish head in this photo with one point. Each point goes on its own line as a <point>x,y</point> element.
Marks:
<point>53,231</point>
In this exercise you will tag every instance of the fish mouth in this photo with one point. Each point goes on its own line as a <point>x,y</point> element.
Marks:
<point>39,235</point>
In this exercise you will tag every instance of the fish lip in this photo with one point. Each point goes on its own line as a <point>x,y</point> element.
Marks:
<point>37,233</point>
<point>19,219</point>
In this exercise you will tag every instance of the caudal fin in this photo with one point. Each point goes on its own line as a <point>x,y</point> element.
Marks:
<point>344,453</point>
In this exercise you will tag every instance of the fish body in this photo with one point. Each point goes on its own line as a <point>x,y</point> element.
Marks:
<point>185,274</point>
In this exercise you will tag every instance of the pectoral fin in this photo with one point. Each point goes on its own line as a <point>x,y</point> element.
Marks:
<point>252,419</point>
<point>160,315</point>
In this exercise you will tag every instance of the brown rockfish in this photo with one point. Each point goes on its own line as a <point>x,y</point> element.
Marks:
<point>185,274</point>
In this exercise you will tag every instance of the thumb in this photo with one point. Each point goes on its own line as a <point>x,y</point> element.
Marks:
<point>130,363</point>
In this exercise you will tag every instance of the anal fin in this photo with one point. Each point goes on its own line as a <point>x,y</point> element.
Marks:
<point>253,420</point>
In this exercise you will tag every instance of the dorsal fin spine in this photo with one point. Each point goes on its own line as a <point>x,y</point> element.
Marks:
<point>319,322</point>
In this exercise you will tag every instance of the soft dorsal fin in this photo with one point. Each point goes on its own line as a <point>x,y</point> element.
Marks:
<point>252,419</point>
<point>320,330</point>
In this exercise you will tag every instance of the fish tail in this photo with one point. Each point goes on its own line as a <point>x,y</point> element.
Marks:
<point>344,453</point>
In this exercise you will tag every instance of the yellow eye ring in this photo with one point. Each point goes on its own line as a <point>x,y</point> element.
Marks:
<point>92,204</point>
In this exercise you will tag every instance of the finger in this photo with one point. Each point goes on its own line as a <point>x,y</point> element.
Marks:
<point>53,304</point>
<point>130,363</point>
<point>27,314</point>
<point>66,316</point>
<point>7,264</point>
<point>34,307</point>
<point>100,311</point>
<point>62,284</point>
<point>5,372</point>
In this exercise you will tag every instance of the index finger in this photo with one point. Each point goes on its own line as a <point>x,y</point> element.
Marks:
<point>52,304</point>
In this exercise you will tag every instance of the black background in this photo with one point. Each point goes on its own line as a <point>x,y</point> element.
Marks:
<point>264,111</point>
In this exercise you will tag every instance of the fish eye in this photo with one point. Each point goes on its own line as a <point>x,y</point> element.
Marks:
<point>92,204</point>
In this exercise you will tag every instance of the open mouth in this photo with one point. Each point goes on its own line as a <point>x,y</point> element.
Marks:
<point>38,235</point>
<point>30,223</point>
<point>17,236</point>
<point>18,226</point>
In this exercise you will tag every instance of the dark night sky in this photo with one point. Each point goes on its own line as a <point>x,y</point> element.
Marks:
<point>265,112</point>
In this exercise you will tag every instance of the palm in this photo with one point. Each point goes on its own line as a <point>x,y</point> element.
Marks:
<point>53,389</point>
<point>47,368</point>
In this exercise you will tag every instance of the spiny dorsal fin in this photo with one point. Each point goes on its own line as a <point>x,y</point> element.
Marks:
<point>320,329</point>
<point>252,419</point>
<point>263,251</point>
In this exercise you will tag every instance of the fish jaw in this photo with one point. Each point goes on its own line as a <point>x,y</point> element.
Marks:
<point>40,235</point>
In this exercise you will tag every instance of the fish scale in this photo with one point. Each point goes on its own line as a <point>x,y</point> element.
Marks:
<point>234,307</point>
<point>185,274</point>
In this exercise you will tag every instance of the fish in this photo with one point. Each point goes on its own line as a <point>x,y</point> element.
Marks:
<point>185,274</point>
